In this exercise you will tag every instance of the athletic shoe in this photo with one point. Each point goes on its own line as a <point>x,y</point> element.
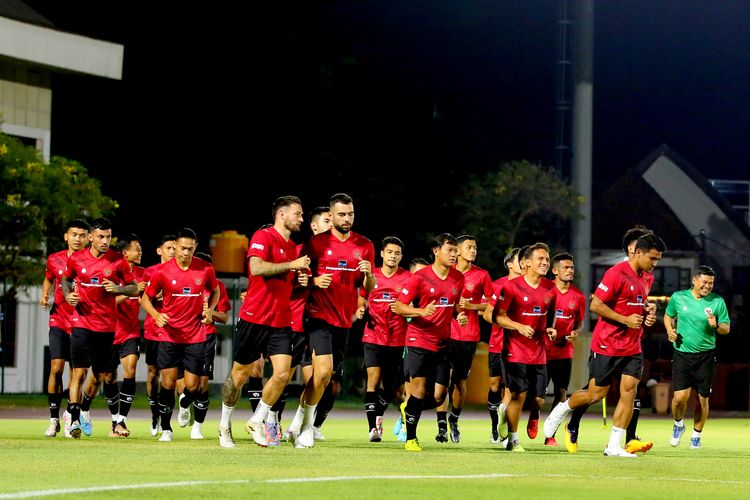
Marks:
<point>122,429</point>
<point>695,443</point>
<point>514,446</point>
<point>550,441</point>
<point>183,415</point>
<point>402,407</point>
<point>379,425</point>
<point>455,432</point>
<point>272,434</point>
<point>401,435</point>
<point>554,419</point>
<point>677,432</point>
<point>167,437</point>
<point>279,433</point>
<point>638,446</point>
<point>112,432</point>
<point>87,426</point>
<point>532,428</point>
<point>53,429</point>
<point>318,434</point>
<point>619,453</point>
<point>495,437</point>
<point>412,445</point>
<point>398,426</point>
<point>502,426</point>
<point>306,437</point>
<point>442,436</point>
<point>155,427</point>
<point>75,430</point>
<point>66,424</point>
<point>290,436</point>
<point>258,431</point>
<point>571,440</point>
<point>226,440</point>
<point>374,435</point>
<point>196,431</point>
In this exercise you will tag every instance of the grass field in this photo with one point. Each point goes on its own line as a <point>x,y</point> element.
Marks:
<point>347,466</point>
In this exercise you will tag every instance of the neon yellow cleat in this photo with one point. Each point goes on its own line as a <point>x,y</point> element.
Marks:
<point>412,445</point>
<point>638,446</point>
<point>570,445</point>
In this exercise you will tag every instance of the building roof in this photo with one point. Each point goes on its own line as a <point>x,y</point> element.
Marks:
<point>18,10</point>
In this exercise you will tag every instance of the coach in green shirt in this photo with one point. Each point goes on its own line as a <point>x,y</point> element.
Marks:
<point>692,319</point>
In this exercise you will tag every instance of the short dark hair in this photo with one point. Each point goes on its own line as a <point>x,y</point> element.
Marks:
<point>319,210</point>
<point>443,238</point>
<point>342,198</point>
<point>283,201</point>
<point>186,232</point>
<point>165,238</point>
<point>204,256</point>
<point>561,256</point>
<point>393,240</point>
<point>78,224</point>
<point>529,250</point>
<point>125,242</point>
<point>465,237</point>
<point>418,260</point>
<point>508,260</point>
<point>100,223</point>
<point>704,271</point>
<point>633,234</point>
<point>650,241</point>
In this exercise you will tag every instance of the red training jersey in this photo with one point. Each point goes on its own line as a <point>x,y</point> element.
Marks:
<point>431,332</point>
<point>337,304</point>
<point>570,310</point>
<point>496,334</point>
<point>223,306</point>
<point>182,290</point>
<point>384,327</point>
<point>298,301</point>
<point>478,289</point>
<point>128,326</point>
<point>626,293</point>
<point>150,330</point>
<point>97,308</point>
<point>267,299</point>
<point>61,314</point>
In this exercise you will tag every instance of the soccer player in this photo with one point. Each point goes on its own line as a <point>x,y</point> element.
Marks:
<point>525,309</point>
<point>220,315</point>
<point>60,321</point>
<point>383,336</point>
<point>693,319</point>
<point>437,291</point>
<point>181,282</point>
<point>620,301</point>
<point>463,342</point>
<point>95,272</point>
<point>265,317</point>
<point>570,310</point>
<point>152,334</point>
<point>497,395</point>
<point>341,262</point>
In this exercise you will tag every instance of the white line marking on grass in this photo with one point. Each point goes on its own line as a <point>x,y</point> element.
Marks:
<point>119,487</point>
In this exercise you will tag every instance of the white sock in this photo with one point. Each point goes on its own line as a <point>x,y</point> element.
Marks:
<point>273,417</point>
<point>226,415</point>
<point>198,426</point>
<point>501,409</point>
<point>309,414</point>
<point>261,412</point>
<point>615,438</point>
<point>513,436</point>
<point>566,405</point>
<point>297,420</point>
<point>123,419</point>
<point>679,423</point>
<point>696,434</point>
<point>115,418</point>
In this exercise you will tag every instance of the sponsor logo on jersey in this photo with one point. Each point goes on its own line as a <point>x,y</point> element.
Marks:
<point>95,280</point>
<point>185,289</point>
<point>639,299</point>
<point>537,309</point>
<point>559,313</point>
<point>443,301</point>
<point>386,295</point>
<point>342,262</point>
<point>257,246</point>
<point>604,287</point>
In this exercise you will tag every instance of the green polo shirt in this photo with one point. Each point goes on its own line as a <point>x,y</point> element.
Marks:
<point>692,324</point>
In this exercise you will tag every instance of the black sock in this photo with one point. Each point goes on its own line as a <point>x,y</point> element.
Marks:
<point>201,407</point>
<point>455,413</point>
<point>255,390</point>
<point>186,399</point>
<point>534,414</point>
<point>86,403</point>
<point>413,411</point>
<point>280,404</point>
<point>112,395</point>
<point>575,418</point>
<point>75,411</point>
<point>370,408</point>
<point>53,401</point>
<point>493,403</point>
<point>324,406</point>
<point>630,433</point>
<point>127,394</point>
<point>166,406</point>
<point>154,405</point>
<point>441,419</point>
<point>381,404</point>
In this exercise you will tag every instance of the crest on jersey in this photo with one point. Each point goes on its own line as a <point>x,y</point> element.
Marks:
<point>572,304</point>
<point>399,288</point>
<point>443,301</point>
<point>547,299</point>
<point>357,254</point>
<point>199,281</point>
<point>107,272</point>
<point>454,291</point>
<point>470,286</point>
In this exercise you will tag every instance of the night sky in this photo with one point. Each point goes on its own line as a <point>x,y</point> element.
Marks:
<point>377,98</point>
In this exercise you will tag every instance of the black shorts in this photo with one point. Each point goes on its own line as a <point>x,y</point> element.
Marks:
<point>433,365</point>
<point>526,378</point>
<point>496,364</point>
<point>604,369</point>
<point>461,353</point>
<point>151,347</point>
<point>59,344</point>
<point>327,339</point>
<point>693,370</point>
<point>209,355</point>
<point>120,351</point>
<point>89,349</point>
<point>299,349</point>
<point>252,341</point>
<point>558,371</point>
<point>187,356</point>
<point>390,360</point>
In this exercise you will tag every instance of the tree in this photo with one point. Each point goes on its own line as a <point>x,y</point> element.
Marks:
<point>517,204</point>
<point>37,200</point>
